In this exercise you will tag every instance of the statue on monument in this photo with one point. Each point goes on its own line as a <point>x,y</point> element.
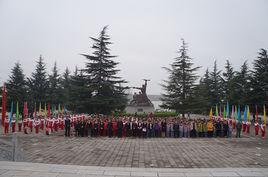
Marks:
<point>141,99</point>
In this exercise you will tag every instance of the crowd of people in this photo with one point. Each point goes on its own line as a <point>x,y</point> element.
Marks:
<point>150,127</point>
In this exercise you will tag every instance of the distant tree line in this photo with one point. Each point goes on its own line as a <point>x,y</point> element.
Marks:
<point>186,92</point>
<point>96,88</point>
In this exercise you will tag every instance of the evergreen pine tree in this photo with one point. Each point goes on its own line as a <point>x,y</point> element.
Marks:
<point>16,86</point>
<point>202,96</point>
<point>79,93</point>
<point>241,91</point>
<point>228,82</point>
<point>38,84</point>
<point>181,82</point>
<point>260,78</point>
<point>54,91</point>
<point>216,86</point>
<point>108,93</point>
<point>65,86</point>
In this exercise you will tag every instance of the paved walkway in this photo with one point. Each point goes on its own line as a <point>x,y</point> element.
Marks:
<point>21,169</point>
<point>247,152</point>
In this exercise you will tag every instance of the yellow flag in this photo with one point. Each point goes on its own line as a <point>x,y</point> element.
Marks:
<point>45,110</point>
<point>40,108</point>
<point>210,114</point>
<point>264,115</point>
<point>248,114</point>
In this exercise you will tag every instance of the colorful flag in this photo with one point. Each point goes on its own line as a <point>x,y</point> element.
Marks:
<point>210,114</point>
<point>34,109</point>
<point>257,114</point>
<point>238,113</point>
<point>248,114</point>
<point>59,109</point>
<point>217,113</point>
<point>17,112</point>
<point>48,110</point>
<point>25,110</point>
<point>40,109</point>
<point>245,114</point>
<point>264,115</point>
<point>227,110</point>
<point>220,112</point>
<point>45,113</point>
<point>4,102</point>
<point>11,114</point>
<point>232,116</point>
<point>224,112</point>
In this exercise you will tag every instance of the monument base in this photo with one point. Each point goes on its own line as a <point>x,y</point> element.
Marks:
<point>139,109</point>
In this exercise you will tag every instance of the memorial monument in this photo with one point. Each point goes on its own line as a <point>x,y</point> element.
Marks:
<point>140,102</point>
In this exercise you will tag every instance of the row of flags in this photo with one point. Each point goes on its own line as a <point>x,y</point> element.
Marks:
<point>47,111</point>
<point>236,112</point>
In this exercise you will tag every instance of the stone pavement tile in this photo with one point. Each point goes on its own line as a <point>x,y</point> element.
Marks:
<point>69,175</point>
<point>227,173</point>
<point>171,174</point>
<point>117,173</point>
<point>90,168</point>
<point>17,173</point>
<point>197,174</point>
<point>140,173</point>
<point>2,171</point>
<point>251,174</point>
<point>63,170</point>
<point>90,172</point>
<point>43,174</point>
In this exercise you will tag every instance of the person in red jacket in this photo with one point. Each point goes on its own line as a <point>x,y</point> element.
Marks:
<point>36,125</point>
<point>248,126</point>
<point>30,124</point>
<point>114,125</point>
<point>42,123</point>
<point>256,127</point>
<point>106,127</point>
<point>6,123</point>
<point>20,124</point>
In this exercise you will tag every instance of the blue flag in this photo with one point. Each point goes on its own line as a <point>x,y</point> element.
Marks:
<point>11,114</point>
<point>227,110</point>
<point>245,114</point>
<point>239,114</point>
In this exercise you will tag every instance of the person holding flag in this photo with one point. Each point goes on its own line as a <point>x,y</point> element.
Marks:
<point>36,125</point>
<point>18,119</point>
<point>256,123</point>
<point>6,125</point>
<point>263,125</point>
<point>244,120</point>
<point>238,124</point>
<point>248,123</point>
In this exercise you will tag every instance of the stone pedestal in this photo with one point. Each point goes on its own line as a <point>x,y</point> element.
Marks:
<point>139,109</point>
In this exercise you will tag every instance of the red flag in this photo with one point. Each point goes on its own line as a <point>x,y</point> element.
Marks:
<point>257,114</point>
<point>25,110</point>
<point>4,99</point>
<point>48,110</point>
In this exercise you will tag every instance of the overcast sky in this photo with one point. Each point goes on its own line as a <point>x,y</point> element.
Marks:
<point>145,33</point>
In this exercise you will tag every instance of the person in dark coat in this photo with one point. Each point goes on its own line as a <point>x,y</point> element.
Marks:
<point>110,128</point>
<point>67,123</point>
<point>238,129</point>
<point>119,128</point>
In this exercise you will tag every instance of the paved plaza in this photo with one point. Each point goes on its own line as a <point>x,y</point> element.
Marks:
<point>246,152</point>
<point>23,169</point>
